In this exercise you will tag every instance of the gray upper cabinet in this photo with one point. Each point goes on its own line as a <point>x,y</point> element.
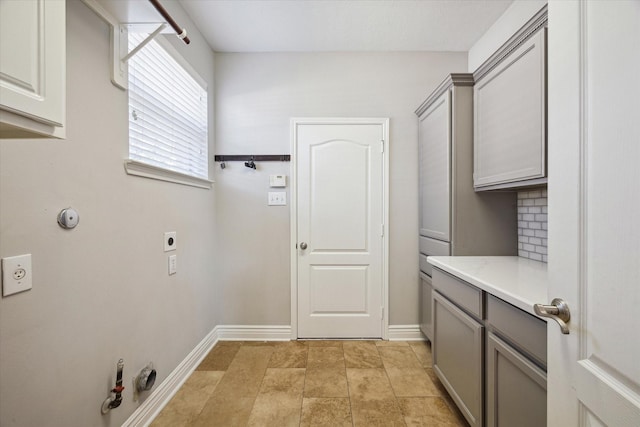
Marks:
<point>435,169</point>
<point>450,210</point>
<point>510,113</point>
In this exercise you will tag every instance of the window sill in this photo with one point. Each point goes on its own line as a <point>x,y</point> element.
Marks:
<point>147,171</point>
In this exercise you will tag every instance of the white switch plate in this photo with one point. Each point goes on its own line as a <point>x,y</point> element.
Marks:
<point>16,274</point>
<point>173,264</point>
<point>170,241</point>
<point>277,198</point>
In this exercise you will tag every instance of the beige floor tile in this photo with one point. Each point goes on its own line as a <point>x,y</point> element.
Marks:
<point>188,402</point>
<point>383,343</point>
<point>326,382</point>
<point>377,413</point>
<point>220,356</point>
<point>276,410</point>
<point>283,381</point>
<point>361,354</point>
<point>245,373</point>
<point>428,411</point>
<point>369,384</point>
<point>399,357</point>
<point>260,343</point>
<point>413,382</point>
<point>324,343</point>
<point>289,356</point>
<point>436,382</point>
<point>225,411</point>
<point>422,349</point>
<point>326,412</point>
<point>325,357</point>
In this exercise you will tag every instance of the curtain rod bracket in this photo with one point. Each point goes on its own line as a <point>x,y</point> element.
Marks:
<point>143,43</point>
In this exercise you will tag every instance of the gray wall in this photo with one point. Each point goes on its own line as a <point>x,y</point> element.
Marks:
<point>100,292</point>
<point>256,95</point>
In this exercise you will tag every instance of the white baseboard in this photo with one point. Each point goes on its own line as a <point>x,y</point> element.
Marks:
<point>151,407</point>
<point>254,333</point>
<point>405,333</point>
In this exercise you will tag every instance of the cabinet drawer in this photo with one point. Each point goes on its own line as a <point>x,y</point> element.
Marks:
<point>431,247</point>
<point>463,294</point>
<point>425,267</point>
<point>525,331</point>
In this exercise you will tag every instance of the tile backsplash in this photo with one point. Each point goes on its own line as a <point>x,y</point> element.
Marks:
<point>532,224</point>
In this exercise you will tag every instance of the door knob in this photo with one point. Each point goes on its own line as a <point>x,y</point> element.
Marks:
<point>303,246</point>
<point>558,311</point>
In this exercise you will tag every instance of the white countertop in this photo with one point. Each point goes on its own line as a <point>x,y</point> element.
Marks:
<point>519,281</point>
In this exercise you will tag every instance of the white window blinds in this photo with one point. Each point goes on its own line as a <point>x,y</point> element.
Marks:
<point>167,112</point>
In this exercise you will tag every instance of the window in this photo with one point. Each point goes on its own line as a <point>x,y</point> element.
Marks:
<point>167,116</point>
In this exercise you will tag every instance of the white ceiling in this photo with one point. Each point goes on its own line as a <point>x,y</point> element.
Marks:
<point>343,25</point>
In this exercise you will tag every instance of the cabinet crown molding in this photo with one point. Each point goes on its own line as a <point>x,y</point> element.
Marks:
<point>454,79</point>
<point>538,21</point>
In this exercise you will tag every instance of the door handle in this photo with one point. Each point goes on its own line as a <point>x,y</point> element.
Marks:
<point>558,311</point>
<point>303,246</point>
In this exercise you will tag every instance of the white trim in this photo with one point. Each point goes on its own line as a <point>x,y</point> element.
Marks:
<point>294,214</point>
<point>254,333</point>
<point>136,168</point>
<point>405,333</point>
<point>151,407</point>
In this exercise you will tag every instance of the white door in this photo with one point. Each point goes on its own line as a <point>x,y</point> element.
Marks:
<point>340,216</point>
<point>594,212</point>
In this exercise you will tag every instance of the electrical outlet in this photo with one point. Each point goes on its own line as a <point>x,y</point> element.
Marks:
<point>16,274</point>
<point>170,241</point>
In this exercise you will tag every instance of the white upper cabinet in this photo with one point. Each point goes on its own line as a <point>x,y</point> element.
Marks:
<point>510,116</point>
<point>32,68</point>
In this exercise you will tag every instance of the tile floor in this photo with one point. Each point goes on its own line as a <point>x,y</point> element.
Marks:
<point>313,383</point>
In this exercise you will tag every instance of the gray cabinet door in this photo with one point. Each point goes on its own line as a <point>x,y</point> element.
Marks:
<point>509,122</point>
<point>426,314</point>
<point>458,357</point>
<point>516,388</point>
<point>435,169</point>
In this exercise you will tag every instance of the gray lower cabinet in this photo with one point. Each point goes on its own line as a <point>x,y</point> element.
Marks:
<point>490,356</point>
<point>516,387</point>
<point>457,356</point>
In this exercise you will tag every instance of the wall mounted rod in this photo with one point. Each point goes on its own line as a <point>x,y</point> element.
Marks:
<point>181,32</point>
<point>255,158</point>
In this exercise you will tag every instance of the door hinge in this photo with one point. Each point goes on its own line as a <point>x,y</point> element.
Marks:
<point>382,312</point>
<point>382,146</point>
<point>382,230</point>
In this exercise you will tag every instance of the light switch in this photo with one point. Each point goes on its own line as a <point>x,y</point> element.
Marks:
<point>173,264</point>
<point>277,198</point>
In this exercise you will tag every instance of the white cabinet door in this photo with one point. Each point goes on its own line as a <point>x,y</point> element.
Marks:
<point>32,59</point>
<point>435,169</point>
<point>594,233</point>
<point>509,123</point>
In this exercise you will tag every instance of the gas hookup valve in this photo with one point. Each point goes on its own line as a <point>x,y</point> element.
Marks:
<point>115,399</point>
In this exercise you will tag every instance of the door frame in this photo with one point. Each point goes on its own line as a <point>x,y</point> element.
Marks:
<point>293,188</point>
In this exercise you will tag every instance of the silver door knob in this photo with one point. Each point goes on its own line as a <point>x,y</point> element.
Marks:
<point>558,311</point>
<point>303,246</point>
